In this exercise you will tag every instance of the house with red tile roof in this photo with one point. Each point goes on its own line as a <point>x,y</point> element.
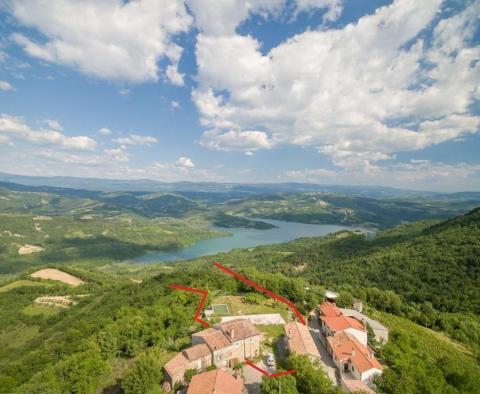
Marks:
<point>175,369</point>
<point>244,337</point>
<point>224,344</point>
<point>333,321</point>
<point>300,341</point>
<point>355,360</point>
<point>215,382</point>
<point>329,309</point>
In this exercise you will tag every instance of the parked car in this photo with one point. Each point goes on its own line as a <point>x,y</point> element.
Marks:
<point>270,360</point>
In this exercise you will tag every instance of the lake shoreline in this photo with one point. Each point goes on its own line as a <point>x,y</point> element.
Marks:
<point>242,238</point>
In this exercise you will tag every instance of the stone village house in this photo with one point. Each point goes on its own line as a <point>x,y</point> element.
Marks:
<point>223,345</point>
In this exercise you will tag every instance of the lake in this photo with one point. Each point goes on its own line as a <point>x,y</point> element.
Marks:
<point>245,238</point>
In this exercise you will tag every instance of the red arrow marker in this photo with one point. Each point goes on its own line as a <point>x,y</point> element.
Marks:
<point>281,299</point>
<point>266,373</point>
<point>204,294</point>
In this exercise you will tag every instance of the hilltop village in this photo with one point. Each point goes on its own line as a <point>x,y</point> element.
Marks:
<point>334,339</point>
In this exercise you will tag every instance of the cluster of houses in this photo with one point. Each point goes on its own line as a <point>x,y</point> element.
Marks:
<point>343,333</point>
<point>224,345</point>
<point>345,337</point>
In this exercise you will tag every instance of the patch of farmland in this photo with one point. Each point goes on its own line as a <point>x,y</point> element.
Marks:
<point>29,249</point>
<point>54,274</point>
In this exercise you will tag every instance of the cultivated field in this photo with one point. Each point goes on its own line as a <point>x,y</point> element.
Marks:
<point>54,274</point>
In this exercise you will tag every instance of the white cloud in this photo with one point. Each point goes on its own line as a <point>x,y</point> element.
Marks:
<point>105,131</point>
<point>174,104</point>
<point>53,124</point>
<point>185,162</point>
<point>416,174</point>
<point>222,17</point>
<point>4,85</point>
<point>135,139</point>
<point>108,39</point>
<point>124,92</point>
<point>87,160</point>
<point>15,127</point>
<point>359,94</point>
<point>6,140</point>
<point>236,140</point>
<point>333,7</point>
<point>118,154</point>
<point>174,76</point>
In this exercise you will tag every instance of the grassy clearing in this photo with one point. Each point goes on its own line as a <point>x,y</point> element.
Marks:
<point>435,344</point>
<point>272,334</point>
<point>237,306</point>
<point>22,283</point>
<point>17,337</point>
<point>40,310</point>
<point>119,366</point>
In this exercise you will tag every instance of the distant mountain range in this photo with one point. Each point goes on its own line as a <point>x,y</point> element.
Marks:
<point>241,190</point>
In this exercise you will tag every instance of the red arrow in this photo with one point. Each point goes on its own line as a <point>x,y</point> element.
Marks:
<point>290,304</point>
<point>204,294</point>
<point>266,373</point>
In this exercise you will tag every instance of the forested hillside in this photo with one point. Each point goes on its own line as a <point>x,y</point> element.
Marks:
<point>348,209</point>
<point>420,280</point>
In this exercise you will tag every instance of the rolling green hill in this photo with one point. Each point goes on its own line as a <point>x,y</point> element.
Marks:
<point>328,208</point>
<point>419,279</point>
<point>91,239</point>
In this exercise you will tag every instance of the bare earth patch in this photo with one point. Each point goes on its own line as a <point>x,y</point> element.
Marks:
<point>28,249</point>
<point>54,274</point>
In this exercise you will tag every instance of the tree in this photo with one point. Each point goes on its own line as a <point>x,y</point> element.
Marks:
<point>345,300</point>
<point>285,384</point>
<point>145,376</point>
<point>310,379</point>
<point>372,340</point>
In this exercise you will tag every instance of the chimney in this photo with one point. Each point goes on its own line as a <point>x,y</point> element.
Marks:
<point>232,333</point>
<point>353,352</point>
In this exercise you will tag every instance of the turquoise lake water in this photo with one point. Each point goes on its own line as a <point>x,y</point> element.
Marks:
<point>245,238</point>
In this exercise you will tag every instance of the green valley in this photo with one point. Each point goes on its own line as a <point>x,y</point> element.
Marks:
<point>117,329</point>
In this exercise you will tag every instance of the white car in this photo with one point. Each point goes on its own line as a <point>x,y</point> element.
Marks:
<point>270,360</point>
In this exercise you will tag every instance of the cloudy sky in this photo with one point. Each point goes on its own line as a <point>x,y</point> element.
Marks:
<point>324,91</point>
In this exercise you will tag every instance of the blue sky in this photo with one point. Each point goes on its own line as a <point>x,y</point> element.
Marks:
<point>324,91</point>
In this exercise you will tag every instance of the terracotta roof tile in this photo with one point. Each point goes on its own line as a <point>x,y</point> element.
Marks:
<point>346,347</point>
<point>238,329</point>
<point>195,352</point>
<point>300,340</point>
<point>329,309</point>
<point>177,365</point>
<point>215,382</point>
<point>342,322</point>
<point>215,339</point>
